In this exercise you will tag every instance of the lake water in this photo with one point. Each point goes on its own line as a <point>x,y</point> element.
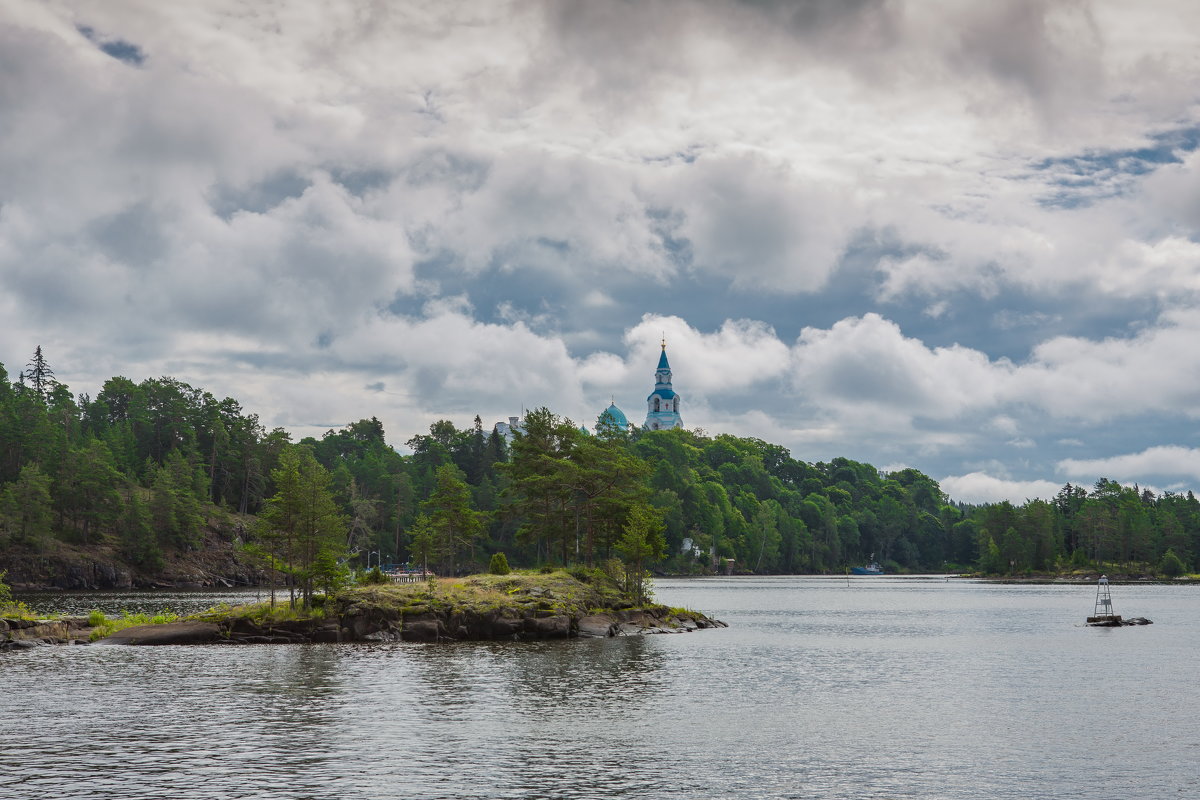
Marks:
<point>820,688</point>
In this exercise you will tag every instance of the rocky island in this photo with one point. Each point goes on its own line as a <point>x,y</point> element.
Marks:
<point>515,607</point>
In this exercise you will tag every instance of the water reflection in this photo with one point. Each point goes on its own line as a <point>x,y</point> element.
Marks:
<point>819,689</point>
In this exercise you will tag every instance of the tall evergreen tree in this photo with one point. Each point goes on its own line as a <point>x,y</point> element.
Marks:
<point>39,375</point>
<point>302,526</point>
<point>453,525</point>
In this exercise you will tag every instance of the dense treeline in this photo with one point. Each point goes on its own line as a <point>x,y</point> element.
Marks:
<point>153,468</point>
<point>142,466</point>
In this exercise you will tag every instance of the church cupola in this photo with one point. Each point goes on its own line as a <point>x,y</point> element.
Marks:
<point>662,406</point>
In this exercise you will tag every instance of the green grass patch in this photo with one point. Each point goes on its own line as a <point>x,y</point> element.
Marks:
<point>261,614</point>
<point>15,609</point>
<point>109,625</point>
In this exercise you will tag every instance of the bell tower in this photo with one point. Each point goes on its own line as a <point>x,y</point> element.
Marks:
<point>662,406</point>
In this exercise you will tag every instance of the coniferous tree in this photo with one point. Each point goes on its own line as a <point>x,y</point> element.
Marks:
<point>641,541</point>
<point>302,527</point>
<point>26,511</point>
<point>138,542</point>
<point>39,375</point>
<point>451,521</point>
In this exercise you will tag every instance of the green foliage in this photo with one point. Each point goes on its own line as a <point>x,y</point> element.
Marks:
<point>499,564</point>
<point>1171,565</point>
<point>373,577</point>
<point>266,614</point>
<point>302,530</point>
<point>96,618</point>
<point>110,625</point>
<point>26,507</point>
<point>570,490</point>
<point>138,541</point>
<point>452,527</point>
<point>10,606</point>
<point>641,541</point>
<point>6,597</point>
<point>143,467</point>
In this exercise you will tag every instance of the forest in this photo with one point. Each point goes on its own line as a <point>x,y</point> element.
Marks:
<point>160,468</point>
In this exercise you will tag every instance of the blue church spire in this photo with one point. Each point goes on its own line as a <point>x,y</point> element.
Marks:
<point>662,406</point>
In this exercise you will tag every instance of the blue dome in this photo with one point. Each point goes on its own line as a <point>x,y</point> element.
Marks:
<point>613,416</point>
<point>665,394</point>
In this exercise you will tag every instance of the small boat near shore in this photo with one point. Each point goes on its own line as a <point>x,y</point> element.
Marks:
<point>871,568</point>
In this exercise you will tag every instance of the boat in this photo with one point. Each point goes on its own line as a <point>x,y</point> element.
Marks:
<point>871,568</point>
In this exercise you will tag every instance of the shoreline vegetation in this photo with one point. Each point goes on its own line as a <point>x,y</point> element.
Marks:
<point>514,607</point>
<point>159,484</point>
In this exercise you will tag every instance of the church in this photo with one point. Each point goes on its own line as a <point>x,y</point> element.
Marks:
<point>662,407</point>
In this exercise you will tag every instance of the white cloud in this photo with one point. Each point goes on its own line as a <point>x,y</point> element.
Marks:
<point>740,354</point>
<point>979,487</point>
<point>1171,461</point>
<point>1003,423</point>
<point>473,204</point>
<point>867,362</point>
<point>1155,370</point>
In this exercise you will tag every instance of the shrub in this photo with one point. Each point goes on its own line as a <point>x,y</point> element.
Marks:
<point>499,564</point>
<point>96,618</point>
<point>372,577</point>
<point>9,606</point>
<point>1171,565</point>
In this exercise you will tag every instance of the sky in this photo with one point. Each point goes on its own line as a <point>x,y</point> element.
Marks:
<point>957,236</point>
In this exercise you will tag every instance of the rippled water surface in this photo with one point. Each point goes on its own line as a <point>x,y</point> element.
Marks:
<point>822,688</point>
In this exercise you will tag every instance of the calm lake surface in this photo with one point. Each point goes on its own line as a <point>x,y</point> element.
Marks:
<point>820,688</point>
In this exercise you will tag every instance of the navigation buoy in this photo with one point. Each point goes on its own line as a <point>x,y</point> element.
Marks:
<point>1102,612</point>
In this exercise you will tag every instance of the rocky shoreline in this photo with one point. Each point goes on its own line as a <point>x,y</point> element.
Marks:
<point>70,568</point>
<point>426,627</point>
<point>1081,579</point>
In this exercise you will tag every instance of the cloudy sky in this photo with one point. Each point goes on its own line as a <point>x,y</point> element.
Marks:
<point>958,236</point>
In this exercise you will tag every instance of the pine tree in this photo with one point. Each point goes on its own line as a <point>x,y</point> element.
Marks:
<point>25,507</point>
<point>302,528</point>
<point>453,524</point>
<point>39,375</point>
<point>642,541</point>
